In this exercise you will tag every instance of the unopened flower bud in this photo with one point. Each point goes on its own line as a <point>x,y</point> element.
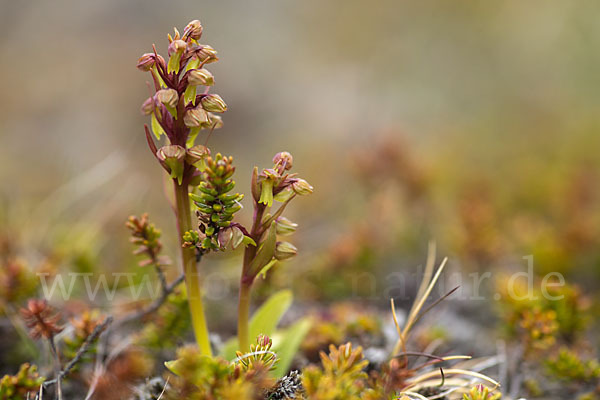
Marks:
<point>201,77</point>
<point>224,237</point>
<point>284,195</point>
<point>195,117</point>
<point>214,121</point>
<point>264,341</point>
<point>197,153</point>
<point>171,152</point>
<point>148,106</point>
<point>177,46</point>
<point>285,226</point>
<point>146,62</point>
<point>302,187</point>
<point>213,103</point>
<point>206,54</point>
<point>168,97</point>
<point>284,159</point>
<point>285,250</point>
<point>193,30</point>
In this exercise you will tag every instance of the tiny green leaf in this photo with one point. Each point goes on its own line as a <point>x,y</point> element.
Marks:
<point>247,240</point>
<point>156,128</point>
<point>266,268</point>
<point>192,137</point>
<point>190,94</point>
<point>193,64</point>
<point>173,65</point>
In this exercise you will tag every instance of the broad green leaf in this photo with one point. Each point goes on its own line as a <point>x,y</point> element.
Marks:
<point>264,320</point>
<point>287,343</point>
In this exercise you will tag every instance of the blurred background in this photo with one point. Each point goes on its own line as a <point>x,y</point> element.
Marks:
<point>473,124</point>
<point>449,114</point>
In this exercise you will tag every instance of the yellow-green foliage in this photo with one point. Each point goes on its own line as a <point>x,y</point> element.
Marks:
<point>83,326</point>
<point>203,377</point>
<point>341,375</point>
<point>541,319</point>
<point>16,387</point>
<point>481,392</point>
<point>17,282</point>
<point>169,324</point>
<point>589,396</point>
<point>343,320</point>
<point>567,365</point>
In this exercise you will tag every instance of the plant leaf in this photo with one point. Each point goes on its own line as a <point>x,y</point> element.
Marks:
<point>264,320</point>
<point>156,128</point>
<point>287,343</point>
<point>265,251</point>
<point>247,240</point>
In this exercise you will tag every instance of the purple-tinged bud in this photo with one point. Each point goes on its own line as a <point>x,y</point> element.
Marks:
<point>146,62</point>
<point>161,62</point>
<point>205,53</point>
<point>285,250</point>
<point>213,103</point>
<point>302,187</point>
<point>197,153</point>
<point>285,226</point>
<point>284,159</point>
<point>255,185</point>
<point>263,341</point>
<point>201,77</point>
<point>177,46</point>
<point>195,117</point>
<point>193,30</point>
<point>148,106</point>
<point>171,152</point>
<point>168,97</point>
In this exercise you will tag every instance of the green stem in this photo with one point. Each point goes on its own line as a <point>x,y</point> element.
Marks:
<point>190,268</point>
<point>244,316</point>
<point>247,279</point>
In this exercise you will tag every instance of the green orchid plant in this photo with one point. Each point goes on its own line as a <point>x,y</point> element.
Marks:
<point>205,204</point>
